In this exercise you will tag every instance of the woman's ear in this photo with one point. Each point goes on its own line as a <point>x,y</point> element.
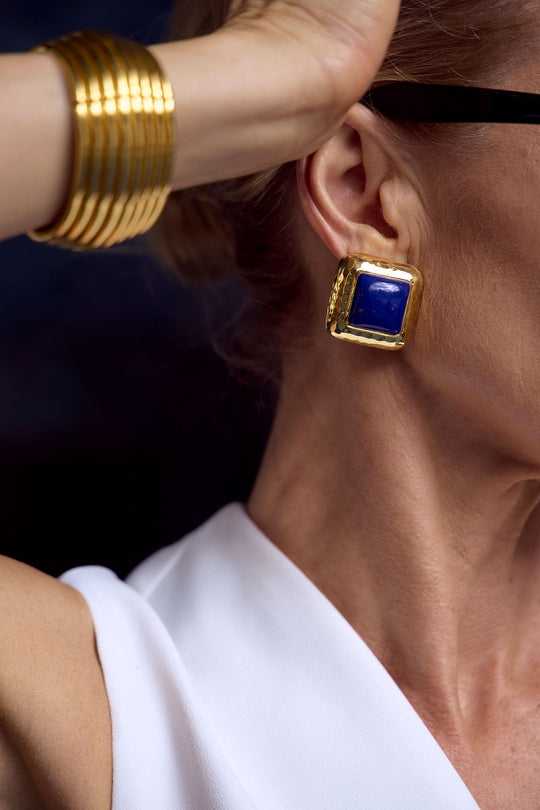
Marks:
<point>355,192</point>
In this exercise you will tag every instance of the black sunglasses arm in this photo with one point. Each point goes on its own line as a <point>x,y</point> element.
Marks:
<point>447,103</point>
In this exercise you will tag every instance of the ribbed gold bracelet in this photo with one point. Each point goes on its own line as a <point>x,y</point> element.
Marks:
<point>124,140</point>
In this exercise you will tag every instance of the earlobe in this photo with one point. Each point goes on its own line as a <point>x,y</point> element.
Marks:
<point>349,190</point>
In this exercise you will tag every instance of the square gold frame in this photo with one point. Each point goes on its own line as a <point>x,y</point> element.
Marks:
<point>342,295</point>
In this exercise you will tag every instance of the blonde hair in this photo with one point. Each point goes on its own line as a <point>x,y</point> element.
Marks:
<point>244,228</point>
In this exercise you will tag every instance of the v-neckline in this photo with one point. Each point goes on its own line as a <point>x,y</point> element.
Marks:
<point>273,632</point>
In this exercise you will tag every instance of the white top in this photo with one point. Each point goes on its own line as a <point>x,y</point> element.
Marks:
<point>234,684</point>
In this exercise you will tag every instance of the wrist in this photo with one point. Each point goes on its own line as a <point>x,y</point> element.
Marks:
<point>246,100</point>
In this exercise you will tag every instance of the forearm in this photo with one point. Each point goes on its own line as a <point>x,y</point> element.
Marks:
<point>226,127</point>
<point>35,142</point>
<point>252,95</point>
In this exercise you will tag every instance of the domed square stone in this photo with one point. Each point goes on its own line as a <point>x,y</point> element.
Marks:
<point>374,303</point>
<point>379,303</point>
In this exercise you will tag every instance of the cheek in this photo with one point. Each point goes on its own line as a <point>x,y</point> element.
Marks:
<point>508,198</point>
<point>476,336</point>
<point>485,246</point>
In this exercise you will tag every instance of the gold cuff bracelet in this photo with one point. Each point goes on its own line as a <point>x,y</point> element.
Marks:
<point>124,140</point>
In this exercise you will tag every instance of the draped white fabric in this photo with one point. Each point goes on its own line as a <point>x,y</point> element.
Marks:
<point>234,684</point>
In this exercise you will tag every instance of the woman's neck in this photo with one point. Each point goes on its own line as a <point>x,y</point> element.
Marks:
<point>424,538</point>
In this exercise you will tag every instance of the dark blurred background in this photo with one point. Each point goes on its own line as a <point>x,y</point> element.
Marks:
<point>120,430</point>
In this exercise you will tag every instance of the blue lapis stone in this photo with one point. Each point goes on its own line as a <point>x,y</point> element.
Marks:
<point>379,304</point>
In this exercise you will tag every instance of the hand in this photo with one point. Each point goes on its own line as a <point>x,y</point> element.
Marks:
<point>325,53</point>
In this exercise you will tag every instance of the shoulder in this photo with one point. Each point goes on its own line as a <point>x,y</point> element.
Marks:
<point>53,703</point>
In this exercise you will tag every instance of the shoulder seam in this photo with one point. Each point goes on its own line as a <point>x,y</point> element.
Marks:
<point>158,578</point>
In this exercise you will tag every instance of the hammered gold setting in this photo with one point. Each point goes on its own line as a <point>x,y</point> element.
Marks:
<point>124,140</point>
<point>340,319</point>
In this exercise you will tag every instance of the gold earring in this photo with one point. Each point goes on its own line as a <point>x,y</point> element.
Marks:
<point>374,303</point>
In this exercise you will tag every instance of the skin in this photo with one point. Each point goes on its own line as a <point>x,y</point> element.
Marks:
<point>55,731</point>
<point>55,728</point>
<point>407,485</point>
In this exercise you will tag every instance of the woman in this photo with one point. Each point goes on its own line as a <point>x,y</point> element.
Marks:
<point>379,650</point>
